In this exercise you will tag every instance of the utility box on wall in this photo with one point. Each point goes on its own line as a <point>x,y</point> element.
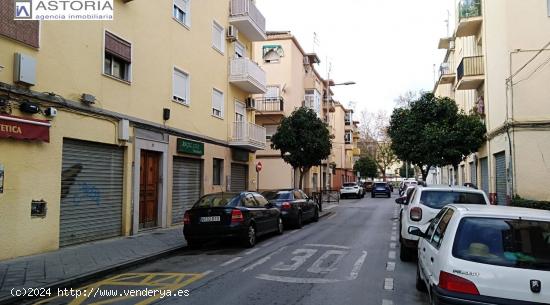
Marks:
<point>24,70</point>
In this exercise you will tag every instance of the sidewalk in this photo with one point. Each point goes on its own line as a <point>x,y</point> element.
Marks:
<point>73,265</point>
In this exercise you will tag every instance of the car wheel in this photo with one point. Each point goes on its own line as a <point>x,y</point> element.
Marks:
<point>405,254</point>
<point>420,285</point>
<point>372,195</point>
<point>280,226</point>
<point>250,238</point>
<point>315,215</point>
<point>299,223</point>
<point>389,195</point>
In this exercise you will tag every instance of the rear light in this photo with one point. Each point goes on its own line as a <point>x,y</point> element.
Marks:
<point>237,216</point>
<point>455,283</point>
<point>416,214</point>
<point>186,218</point>
<point>286,206</point>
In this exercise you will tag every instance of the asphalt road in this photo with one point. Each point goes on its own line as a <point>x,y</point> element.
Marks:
<point>349,257</point>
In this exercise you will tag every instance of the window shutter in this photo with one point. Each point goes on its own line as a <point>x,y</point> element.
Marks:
<point>180,85</point>
<point>217,37</point>
<point>217,101</point>
<point>118,47</point>
<point>187,10</point>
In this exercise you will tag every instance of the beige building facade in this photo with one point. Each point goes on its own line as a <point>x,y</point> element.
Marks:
<point>496,65</point>
<point>108,128</point>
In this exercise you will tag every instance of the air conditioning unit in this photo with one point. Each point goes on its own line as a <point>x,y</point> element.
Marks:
<point>232,33</point>
<point>250,103</point>
<point>306,60</point>
<point>452,45</point>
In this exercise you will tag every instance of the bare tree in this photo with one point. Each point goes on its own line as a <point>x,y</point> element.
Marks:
<point>405,99</point>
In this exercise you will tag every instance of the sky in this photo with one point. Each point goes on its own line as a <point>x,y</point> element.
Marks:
<point>386,46</point>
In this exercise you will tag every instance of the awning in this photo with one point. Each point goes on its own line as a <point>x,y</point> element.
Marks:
<point>24,129</point>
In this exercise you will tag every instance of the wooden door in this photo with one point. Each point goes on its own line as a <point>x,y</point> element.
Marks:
<point>149,189</point>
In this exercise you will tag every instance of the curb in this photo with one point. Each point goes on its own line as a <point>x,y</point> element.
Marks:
<point>77,280</point>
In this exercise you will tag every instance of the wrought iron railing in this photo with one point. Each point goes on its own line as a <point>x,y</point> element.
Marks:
<point>270,104</point>
<point>469,9</point>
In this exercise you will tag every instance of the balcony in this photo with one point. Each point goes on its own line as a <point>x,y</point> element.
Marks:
<point>248,136</point>
<point>247,75</point>
<point>470,73</point>
<point>356,152</point>
<point>248,19</point>
<point>469,18</point>
<point>270,107</point>
<point>447,73</point>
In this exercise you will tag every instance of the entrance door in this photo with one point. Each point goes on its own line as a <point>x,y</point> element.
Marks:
<point>149,189</point>
<point>500,170</point>
<point>239,177</point>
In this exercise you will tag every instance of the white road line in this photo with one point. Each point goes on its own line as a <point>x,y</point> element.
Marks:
<point>263,260</point>
<point>285,279</point>
<point>251,251</point>
<point>207,272</point>
<point>231,261</point>
<point>391,254</point>
<point>387,302</point>
<point>388,284</point>
<point>393,238</point>
<point>357,266</point>
<point>390,266</point>
<point>393,245</point>
<point>327,246</point>
<point>267,244</point>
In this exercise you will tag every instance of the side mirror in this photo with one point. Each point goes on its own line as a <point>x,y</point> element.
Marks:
<point>399,200</point>
<point>416,232</point>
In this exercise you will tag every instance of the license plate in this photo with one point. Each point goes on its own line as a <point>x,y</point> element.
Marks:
<point>210,219</point>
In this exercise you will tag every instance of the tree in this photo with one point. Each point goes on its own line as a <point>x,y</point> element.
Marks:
<point>432,132</point>
<point>403,171</point>
<point>303,139</point>
<point>385,157</point>
<point>366,166</point>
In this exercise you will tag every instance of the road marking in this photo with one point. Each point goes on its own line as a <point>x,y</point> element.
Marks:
<point>207,272</point>
<point>391,254</point>
<point>390,266</point>
<point>387,302</point>
<point>285,279</point>
<point>269,243</point>
<point>357,266</point>
<point>327,246</point>
<point>393,245</point>
<point>263,260</point>
<point>316,267</point>
<point>388,284</point>
<point>231,261</point>
<point>251,251</point>
<point>331,216</point>
<point>300,257</point>
<point>393,238</point>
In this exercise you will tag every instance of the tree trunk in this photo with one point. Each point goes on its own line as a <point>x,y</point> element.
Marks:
<point>302,173</point>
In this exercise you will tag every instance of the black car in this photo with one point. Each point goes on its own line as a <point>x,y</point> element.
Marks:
<point>381,188</point>
<point>295,206</point>
<point>243,216</point>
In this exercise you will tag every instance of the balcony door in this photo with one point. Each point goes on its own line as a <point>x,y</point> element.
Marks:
<point>240,50</point>
<point>240,111</point>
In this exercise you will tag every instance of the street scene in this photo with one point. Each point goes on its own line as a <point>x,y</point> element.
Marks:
<point>275,152</point>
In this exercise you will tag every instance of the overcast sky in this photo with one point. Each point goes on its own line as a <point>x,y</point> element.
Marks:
<point>387,47</point>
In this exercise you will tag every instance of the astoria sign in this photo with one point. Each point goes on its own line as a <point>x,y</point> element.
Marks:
<point>24,129</point>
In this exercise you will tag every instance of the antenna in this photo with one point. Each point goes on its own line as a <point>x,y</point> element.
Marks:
<point>315,41</point>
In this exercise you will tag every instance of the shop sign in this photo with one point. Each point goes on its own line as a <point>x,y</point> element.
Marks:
<point>190,147</point>
<point>24,129</point>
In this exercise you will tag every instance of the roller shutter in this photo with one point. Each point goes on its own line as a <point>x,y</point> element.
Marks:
<point>473,173</point>
<point>484,175</point>
<point>500,171</point>
<point>186,186</point>
<point>91,192</point>
<point>239,177</point>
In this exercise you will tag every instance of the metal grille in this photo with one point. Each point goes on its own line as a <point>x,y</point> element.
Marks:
<point>484,175</point>
<point>239,177</point>
<point>91,192</point>
<point>473,173</point>
<point>186,186</point>
<point>500,167</point>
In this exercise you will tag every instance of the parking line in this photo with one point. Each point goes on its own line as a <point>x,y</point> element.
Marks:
<point>388,284</point>
<point>263,260</point>
<point>267,244</point>
<point>391,254</point>
<point>393,238</point>
<point>231,261</point>
<point>393,245</point>
<point>251,251</point>
<point>387,302</point>
<point>327,246</point>
<point>390,266</point>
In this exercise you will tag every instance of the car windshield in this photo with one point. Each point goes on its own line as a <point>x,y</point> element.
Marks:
<point>504,242</point>
<point>216,200</point>
<point>277,195</point>
<point>349,184</point>
<point>380,185</point>
<point>439,199</point>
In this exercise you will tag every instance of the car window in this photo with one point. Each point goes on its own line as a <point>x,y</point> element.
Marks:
<point>380,184</point>
<point>277,195</point>
<point>441,227</point>
<point>304,195</point>
<point>298,195</point>
<point>249,202</point>
<point>217,200</point>
<point>433,223</point>
<point>439,199</point>
<point>410,193</point>
<point>260,200</point>
<point>349,184</point>
<point>512,243</point>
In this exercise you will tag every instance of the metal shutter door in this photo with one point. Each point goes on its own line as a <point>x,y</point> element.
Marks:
<point>91,192</point>
<point>484,175</point>
<point>239,175</point>
<point>500,166</point>
<point>473,173</point>
<point>186,186</point>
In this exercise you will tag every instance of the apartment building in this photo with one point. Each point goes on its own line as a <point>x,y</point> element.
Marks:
<point>344,145</point>
<point>496,65</point>
<point>108,128</point>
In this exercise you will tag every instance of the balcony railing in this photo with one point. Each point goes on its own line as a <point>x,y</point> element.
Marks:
<point>469,9</point>
<point>247,75</point>
<point>270,104</point>
<point>248,19</point>
<point>248,135</point>
<point>470,72</point>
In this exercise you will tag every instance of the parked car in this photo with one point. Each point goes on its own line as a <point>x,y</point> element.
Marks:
<point>244,216</point>
<point>295,206</point>
<point>485,255</point>
<point>351,189</point>
<point>381,188</point>
<point>405,183</point>
<point>367,186</point>
<point>423,206</point>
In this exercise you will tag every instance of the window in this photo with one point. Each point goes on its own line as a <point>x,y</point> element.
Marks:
<point>298,195</point>
<point>433,223</point>
<point>548,5</point>
<point>439,199</point>
<point>349,117</point>
<point>239,111</point>
<point>218,37</point>
<point>217,172</point>
<point>272,93</point>
<point>347,137</point>
<point>272,53</point>
<point>313,100</point>
<point>249,201</point>
<point>441,228</point>
<point>181,12</point>
<point>217,103</point>
<point>240,51</point>
<point>261,200</point>
<point>270,130</point>
<point>180,87</point>
<point>118,54</point>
